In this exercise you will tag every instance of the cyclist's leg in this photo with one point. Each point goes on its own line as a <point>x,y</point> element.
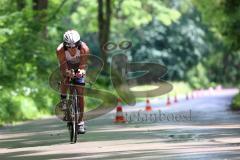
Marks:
<point>63,89</point>
<point>81,102</point>
<point>81,125</point>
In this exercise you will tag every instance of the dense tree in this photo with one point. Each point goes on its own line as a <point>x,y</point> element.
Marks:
<point>173,45</point>
<point>223,19</point>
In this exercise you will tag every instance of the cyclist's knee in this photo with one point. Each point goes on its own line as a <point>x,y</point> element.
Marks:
<point>65,81</point>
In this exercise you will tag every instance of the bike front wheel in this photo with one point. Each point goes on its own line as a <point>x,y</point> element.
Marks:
<point>73,127</point>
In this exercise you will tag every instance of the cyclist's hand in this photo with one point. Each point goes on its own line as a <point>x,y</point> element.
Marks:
<point>81,73</point>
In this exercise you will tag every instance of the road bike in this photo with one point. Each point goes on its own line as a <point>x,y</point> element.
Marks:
<point>71,114</point>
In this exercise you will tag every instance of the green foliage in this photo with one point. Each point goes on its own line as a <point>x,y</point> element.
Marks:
<point>224,21</point>
<point>135,14</point>
<point>26,103</point>
<point>16,107</point>
<point>26,62</point>
<point>198,77</point>
<point>222,17</point>
<point>179,46</point>
<point>236,102</point>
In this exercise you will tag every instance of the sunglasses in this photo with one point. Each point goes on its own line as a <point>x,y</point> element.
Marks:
<point>71,45</point>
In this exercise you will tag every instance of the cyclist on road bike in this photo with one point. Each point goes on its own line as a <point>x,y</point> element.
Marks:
<point>72,55</point>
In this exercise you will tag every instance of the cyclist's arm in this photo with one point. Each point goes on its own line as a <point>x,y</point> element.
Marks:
<point>84,56</point>
<point>62,59</point>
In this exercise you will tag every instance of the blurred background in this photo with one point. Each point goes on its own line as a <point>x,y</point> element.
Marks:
<point>198,42</point>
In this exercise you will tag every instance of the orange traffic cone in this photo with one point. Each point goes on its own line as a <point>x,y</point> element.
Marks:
<point>148,107</point>
<point>175,99</point>
<point>168,103</point>
<point>119,115</point>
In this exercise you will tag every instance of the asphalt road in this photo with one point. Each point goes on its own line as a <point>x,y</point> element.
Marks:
<point>200,128</point>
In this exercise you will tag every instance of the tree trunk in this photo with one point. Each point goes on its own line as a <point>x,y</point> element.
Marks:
<point>40,15</point>
<point>104,23</point>
<point>108,20</point>
<point>40,4</point>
